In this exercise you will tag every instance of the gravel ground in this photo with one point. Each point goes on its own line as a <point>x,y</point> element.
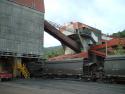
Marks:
<point>41,86</point>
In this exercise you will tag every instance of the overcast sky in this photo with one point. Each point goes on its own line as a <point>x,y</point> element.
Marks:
<point>106,15</point>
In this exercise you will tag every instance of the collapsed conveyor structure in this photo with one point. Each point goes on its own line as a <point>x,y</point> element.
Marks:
<point>60,36</point>
<point>50,29</point>
<point>65,40</point>
<point>94,49</point>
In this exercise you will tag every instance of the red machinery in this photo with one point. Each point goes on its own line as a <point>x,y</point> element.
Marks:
<point>111,43</point>
<point>5,76</point>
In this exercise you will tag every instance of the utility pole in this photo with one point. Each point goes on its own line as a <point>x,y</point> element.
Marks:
<point>106,45</point>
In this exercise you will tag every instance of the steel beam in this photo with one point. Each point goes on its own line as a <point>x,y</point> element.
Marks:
<point>60,36</point>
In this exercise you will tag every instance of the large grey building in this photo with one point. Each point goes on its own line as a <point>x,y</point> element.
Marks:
<point>21,29</point>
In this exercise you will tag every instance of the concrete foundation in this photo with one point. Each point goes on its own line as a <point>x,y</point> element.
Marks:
<point>16,72</point>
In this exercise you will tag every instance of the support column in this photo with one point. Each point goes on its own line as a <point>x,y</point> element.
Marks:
<point>0,66</point>
<point>85,44</point>
<point>16,73</point>
<point>69,51</point>
<point>94,58</point>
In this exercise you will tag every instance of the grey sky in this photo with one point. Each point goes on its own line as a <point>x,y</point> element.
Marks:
<point>106,15</point>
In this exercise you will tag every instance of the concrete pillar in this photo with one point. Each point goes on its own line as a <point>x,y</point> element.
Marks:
<point>69,51</point>
<point>0,67</point>
<point>16,72</point>
<point>85,45</point>
<point>94,58</point>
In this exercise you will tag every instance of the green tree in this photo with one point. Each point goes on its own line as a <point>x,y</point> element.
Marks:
<point>119,34</point>
<point>53,52</point>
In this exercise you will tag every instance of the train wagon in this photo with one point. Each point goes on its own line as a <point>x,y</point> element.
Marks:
<point>114,67</point>
<point>66,68</point>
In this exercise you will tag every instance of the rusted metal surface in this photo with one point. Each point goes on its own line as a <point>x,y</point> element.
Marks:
<point>113,42</point>
<point>115,66</point>
<point>79,25</point>
<point>72,67</point>
<point>5,75</point>
<point>34,4</point>
<point>98,53</point>
<point>110,43</point>
<point>69,56</point>
<point>61,37</point>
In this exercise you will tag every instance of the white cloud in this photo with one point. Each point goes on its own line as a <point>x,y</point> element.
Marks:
<point>50,41</point>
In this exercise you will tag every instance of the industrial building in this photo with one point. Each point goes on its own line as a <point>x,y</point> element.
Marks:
<point>21,33</point>
<point>89,55</point>
<point>22,27</point>
<point>82,33</point>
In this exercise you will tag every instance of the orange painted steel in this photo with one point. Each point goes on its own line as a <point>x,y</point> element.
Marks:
<point>93,49</point>
<point>98,53</point>
<point>69,56</point>
<point>110,43</point>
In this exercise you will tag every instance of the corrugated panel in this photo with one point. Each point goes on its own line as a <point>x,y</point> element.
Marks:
<point>34,4</point>
<point>21,30</point>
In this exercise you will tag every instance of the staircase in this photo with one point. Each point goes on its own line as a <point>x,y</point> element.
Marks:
<point>23,69</point>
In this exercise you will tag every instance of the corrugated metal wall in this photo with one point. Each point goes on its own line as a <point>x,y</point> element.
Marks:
<point>21,29</point>
<point>34,4</point>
